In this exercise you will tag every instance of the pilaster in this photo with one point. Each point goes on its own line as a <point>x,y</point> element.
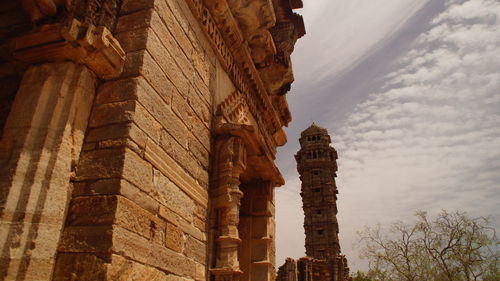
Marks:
<point>231,156</point>
<point>44,134</point>
<point>41,143</point>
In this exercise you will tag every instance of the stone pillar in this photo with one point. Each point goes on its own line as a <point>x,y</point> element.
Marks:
<point>41,143</point>
<point>43,137</point>
<point>231,164</point>
<point>257,228</point>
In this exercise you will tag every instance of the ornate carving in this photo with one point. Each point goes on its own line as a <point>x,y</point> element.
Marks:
<point>39,9</point>
<point>83,43</point>
<point>237,60</point>
<point>255,17</point>
<point>96,12</point>
<point>231,162</point>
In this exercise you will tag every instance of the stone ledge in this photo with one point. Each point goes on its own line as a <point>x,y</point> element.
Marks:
<point>87,44</point>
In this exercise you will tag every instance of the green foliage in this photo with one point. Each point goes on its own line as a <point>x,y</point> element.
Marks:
<point>450,247</point>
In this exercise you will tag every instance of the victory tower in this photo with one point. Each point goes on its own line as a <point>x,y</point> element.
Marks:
<point>317,166</point>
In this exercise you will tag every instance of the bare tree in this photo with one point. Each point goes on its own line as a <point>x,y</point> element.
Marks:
<point>451,247</point>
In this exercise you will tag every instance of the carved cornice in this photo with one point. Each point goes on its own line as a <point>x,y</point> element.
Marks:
<point>235,118</point>
<point>235,57</point>
<point>86,44</point>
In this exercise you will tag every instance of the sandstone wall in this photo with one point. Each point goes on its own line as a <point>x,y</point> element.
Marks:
<point>117,116</point>
<point>139,205</point>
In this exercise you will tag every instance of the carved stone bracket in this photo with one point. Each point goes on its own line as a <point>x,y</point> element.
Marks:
<point>238,110</point>
<point>86,44</point>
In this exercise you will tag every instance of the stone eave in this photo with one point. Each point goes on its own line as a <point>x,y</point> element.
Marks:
<point>234,54</point>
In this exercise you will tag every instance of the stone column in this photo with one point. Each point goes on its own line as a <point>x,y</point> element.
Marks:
<point>257,231</point>
<point>263,247</point>
<point>40,145</point>
<point>43,136</point>
<point>231,164</point>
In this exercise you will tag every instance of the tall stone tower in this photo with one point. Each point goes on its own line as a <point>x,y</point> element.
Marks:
<point>317,166</point>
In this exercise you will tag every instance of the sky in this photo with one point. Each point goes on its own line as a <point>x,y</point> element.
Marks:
<point>409,91</point>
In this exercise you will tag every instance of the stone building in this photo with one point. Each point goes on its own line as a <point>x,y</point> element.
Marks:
<point>138,137</point>
<point>317,166</point>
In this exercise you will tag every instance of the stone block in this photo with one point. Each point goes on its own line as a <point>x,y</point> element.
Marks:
<point>200,272</point>
<point>172,25</point>
<point>182,58</point>
<point>172,196</point>
<point>138,248</point>
<point>136,20</point>
<point>199,152</point>
<point>201,212</point>
<point>199,223</point>
<point>132,217</point>
<point>86,239</point>
<point>195,249</point>
<point>134,40</point>
<point>92,210</point>
<point>146,94</point>
<point>117,91</point>
<point>155,76</point>
<point>75,266</point>
<point>110,113</point>
<point>100,164</point>
<point>168,215</point>
<point>133,63</point>
<point>168,167</point>
<point>191,230</point>
<point>201,132</point>
<point>147,123</point>
<point>182,109</point>
<point>199,106</point>
<point>122,269</point>
<point>96,187</point>
<point>180,154</point>
<point>139,197</point>
<point>167,63</point>
<point>175,238</point>
<point>138,171</point>
<point>130,6</point>
<point>113,131</point>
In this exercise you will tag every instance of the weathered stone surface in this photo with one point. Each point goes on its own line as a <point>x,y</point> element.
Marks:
<point>71,266</point>
<point>195,249</point>
<point>136,199</point>
<point>99,164</point>
<point>175,238</point>
<point>174,198</point>
<point>137,20</point>
<point>41,142</point>
<point>141,250</point>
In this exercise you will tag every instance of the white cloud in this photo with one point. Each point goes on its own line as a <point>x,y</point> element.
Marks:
<point>427,138</point>
<point>430,139</point>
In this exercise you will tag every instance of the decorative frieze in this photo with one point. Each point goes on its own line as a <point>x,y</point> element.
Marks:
<point>224,31</point>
